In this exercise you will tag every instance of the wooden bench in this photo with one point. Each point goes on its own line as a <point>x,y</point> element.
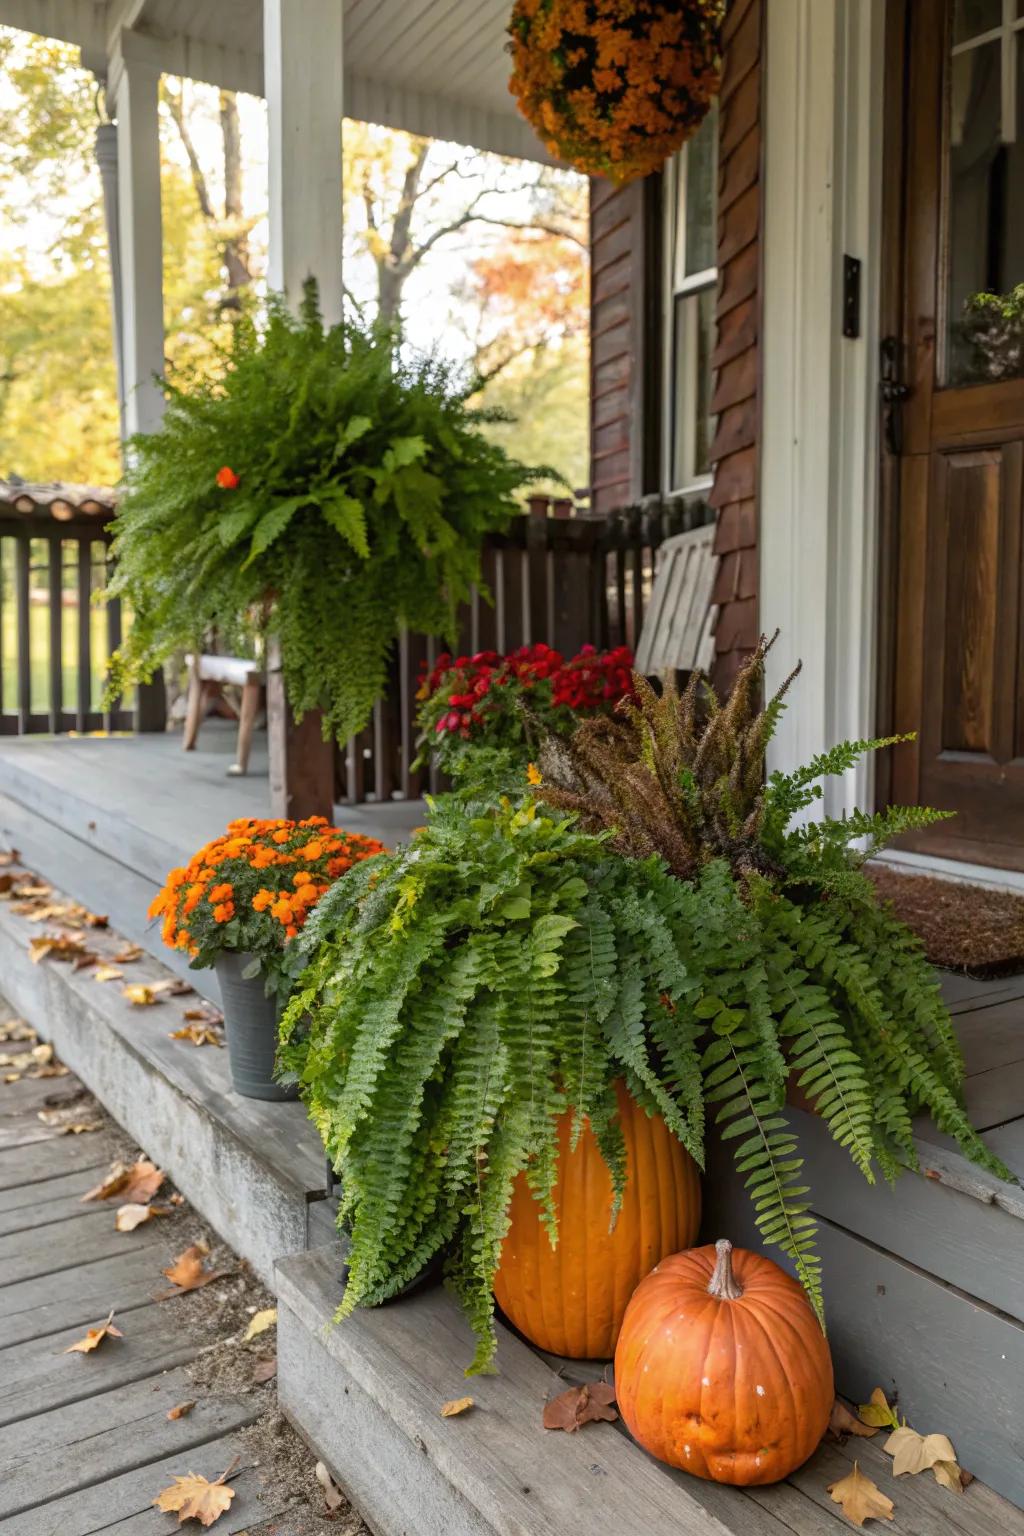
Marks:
<point>679,625</point>
<point>208,677</point>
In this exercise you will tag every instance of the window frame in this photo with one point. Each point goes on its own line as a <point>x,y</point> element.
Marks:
<point>676,285</point>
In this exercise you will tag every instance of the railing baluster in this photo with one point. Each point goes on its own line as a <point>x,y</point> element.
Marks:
<point>54,548</point>
<point>84,702</point>
<point>22,583</point>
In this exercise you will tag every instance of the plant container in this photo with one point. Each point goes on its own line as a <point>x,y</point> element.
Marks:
<point>250,1022</point>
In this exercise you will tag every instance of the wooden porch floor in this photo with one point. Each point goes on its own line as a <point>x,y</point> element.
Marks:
<point>85,1439</point>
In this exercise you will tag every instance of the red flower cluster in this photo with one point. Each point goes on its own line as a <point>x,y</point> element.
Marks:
<point>590,680</point>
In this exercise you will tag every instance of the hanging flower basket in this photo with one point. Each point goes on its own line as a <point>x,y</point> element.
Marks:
<point>615,86</point>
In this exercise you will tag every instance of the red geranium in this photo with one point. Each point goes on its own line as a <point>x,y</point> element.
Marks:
<point>226,478</point>
<point>470,703</point>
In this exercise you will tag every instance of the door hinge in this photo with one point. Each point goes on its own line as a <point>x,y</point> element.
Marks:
<point>893,392</point>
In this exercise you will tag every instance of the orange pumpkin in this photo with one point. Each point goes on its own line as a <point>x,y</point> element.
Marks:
<point>571,1299</point>
<point>722,1368</point>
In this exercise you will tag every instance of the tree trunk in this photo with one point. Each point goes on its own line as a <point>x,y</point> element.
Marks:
<point>236,245</point>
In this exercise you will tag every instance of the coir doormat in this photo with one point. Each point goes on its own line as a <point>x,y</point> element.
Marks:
<point>963,927</point>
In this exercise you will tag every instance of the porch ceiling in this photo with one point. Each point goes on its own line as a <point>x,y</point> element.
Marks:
<point>436,67</point>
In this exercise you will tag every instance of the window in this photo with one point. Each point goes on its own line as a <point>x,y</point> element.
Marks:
<point>690,239</point>
<point>985,212</point>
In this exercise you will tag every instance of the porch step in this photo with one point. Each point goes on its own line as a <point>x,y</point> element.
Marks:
<point>253,1169</point>
<point>366,1394</point>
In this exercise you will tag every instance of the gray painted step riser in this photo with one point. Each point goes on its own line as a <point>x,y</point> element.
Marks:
<point>398,1490</point>
<point>972,1245</point>
<point>97,881</point>
<point>957,1365</point>
<point>261,1220</point>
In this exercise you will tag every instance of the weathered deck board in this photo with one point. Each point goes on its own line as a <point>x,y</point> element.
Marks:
<point>85,1441</point>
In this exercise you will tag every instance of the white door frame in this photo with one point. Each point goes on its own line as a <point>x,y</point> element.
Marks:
<point>818,539</point>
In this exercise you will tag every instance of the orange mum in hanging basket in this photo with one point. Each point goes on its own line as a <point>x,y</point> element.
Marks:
<point>615,86</point>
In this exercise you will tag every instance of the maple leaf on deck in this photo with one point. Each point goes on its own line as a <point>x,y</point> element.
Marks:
<point>199,1034</point>
<point>140,995</point>
<point>878,1411</point>
<point>181,1409</point>
<point>259,1323</point>
<point>456,1406</point>
<point>135,1182</point>
<point>95,1336</point>
<point>128,954</point>
<point>580,1405</point>
<point>189,1272</point>
<point>842,1422</point>
<point>860,1498</point>
<point>131,1216</point>
<point>55,946</point>
<point>107,973</point>
<point>195,1498</point>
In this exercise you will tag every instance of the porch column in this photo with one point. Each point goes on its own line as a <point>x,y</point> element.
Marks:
<point>302,48</point>
<point>819,439</point>
<point>302,45</point>
<point>140,243</point>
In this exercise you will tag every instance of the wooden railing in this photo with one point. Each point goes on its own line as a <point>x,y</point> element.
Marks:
<point>54,638</point>
<point>559,575</point>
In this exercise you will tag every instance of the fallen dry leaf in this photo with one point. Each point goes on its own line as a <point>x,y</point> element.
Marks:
<point>17,1029</point>
<point>878,1412</point>
<point>95,919</point>
<point>80,1127</point>
<point>580,1405</point>
<point>107,973</point>
<point>333,1496</point>
<point>455,1407</point>
<point>40,891</point>
<point>131,1216</point>
<point>951,1476</point>
<point>128,954</point>
<point>259,1323</point>
<point>55,946</point>
<point>914,1453</point>
<point>189,1272</point>
<point>12,1077</point>
<point>842,1422</point>
<point>205,1013</point>
<point>95,1336</point>
<point>860,1498</point>
<point>199,1034</point>
<point>49,1069</point>
<point>9,856</point>
<point>171,986</point>
<point>181,1409</point>
<point>177,1199</point>
<point>264,1370</point>
<point>42,914</point>
<point>140,995</point>
<point>135,1182</point>
<point>194,1498</point>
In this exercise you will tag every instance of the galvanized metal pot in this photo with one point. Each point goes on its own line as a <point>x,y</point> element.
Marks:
<point>250,1021</point>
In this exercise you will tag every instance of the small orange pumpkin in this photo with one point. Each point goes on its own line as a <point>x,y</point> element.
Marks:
<point>722,1368</point>
<point>571,1299</point>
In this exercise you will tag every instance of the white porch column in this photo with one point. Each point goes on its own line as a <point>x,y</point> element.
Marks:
<point>140,244</point>
<point>302,48</point>
<point>819,453</point>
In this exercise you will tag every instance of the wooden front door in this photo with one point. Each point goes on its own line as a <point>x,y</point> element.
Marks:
<point>953,420</point>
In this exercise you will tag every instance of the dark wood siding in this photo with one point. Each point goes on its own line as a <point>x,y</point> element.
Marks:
<point>624,316</point>
<point>626,279</point>
<point>736,398</point>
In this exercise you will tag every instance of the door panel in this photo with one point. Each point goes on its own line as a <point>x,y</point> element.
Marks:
<point>957,598</point>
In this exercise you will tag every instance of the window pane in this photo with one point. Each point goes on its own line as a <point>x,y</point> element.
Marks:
<point>693,340</point>
<point>970,17</point>
<point>701,176</point>
<point>986,221</point>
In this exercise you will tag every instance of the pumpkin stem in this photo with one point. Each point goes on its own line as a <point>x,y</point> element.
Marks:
<point>723,1283</point>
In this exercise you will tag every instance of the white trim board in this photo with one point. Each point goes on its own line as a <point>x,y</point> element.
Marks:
<point>824,71</point>
<point>955,870</point>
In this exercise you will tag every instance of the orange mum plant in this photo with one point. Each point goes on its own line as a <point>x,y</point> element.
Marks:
<point>615,86</point>
<point>252,889</point>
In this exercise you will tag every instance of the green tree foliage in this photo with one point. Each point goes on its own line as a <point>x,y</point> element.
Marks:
<point>511,964</point>
<point>364,490</point>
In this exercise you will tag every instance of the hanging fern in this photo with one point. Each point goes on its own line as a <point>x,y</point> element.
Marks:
<point>327,488</point>
<point>511,963</point>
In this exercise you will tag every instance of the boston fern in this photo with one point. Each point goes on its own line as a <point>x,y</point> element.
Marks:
<point>682,926</point>
<point>327,487</point>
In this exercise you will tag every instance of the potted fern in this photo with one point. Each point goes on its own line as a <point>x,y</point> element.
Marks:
<point>653,919</point>
<point>325,487</point>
